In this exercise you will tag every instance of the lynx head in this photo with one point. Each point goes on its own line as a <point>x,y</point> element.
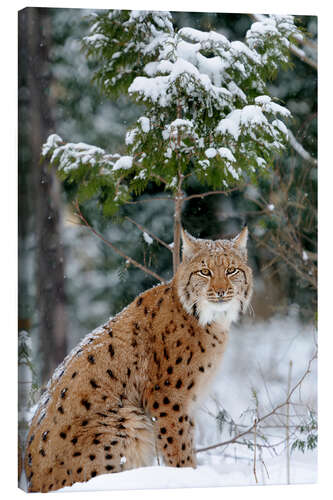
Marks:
<point>214,281</point>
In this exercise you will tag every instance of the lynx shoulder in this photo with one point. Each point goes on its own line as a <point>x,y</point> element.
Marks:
<point>130,389</point>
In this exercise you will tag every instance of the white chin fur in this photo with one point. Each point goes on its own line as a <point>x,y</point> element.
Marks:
<point>222,313</point>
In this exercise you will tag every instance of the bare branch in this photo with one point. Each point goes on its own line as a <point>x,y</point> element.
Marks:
<point>300,150</point>
<point>149,200</point>
<point>144,230</point>
<point>209,193</point>
<point>301,55</point>
<point>160,178</point>
<point>279,253</point>
<point>258,420</point>
<point>114,248</point>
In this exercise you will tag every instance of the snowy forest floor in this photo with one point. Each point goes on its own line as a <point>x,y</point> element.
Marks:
<point>257,361</point>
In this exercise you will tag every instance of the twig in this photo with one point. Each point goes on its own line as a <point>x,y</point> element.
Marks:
<point>209,193</point>
<point>255,450</point>
<point>300,54</point>
<point>148,200</point>
<point>160,178</point>
<point>305,276</point>
<point>269,414</point>
<point>114,248</point>
<point>144,230</point>
<point>263,465</point>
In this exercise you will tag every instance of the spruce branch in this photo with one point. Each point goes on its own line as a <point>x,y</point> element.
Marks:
<point>114,248</point>
<point>293,48</point>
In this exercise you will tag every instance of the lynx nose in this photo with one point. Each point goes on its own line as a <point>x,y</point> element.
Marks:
<point>220,293</point>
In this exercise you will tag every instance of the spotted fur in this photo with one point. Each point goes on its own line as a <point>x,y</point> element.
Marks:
<point>130,389</point>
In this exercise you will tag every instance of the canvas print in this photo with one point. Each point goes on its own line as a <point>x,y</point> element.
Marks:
<point>167,249</point>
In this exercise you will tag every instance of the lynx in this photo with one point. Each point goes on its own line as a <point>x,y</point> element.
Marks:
<point>129,391</point>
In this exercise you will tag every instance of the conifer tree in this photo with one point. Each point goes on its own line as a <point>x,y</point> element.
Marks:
<point>207,112</point>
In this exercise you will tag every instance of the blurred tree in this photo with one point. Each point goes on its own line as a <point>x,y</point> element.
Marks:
<point>42,189</point>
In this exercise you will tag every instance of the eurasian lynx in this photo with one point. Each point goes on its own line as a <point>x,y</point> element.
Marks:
<point>130,389</point>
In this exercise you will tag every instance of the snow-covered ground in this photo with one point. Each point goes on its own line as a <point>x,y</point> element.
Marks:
<point>258,357</point>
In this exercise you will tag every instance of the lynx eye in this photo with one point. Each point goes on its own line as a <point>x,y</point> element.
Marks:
<point>231,270</point>
<point>205,272</point>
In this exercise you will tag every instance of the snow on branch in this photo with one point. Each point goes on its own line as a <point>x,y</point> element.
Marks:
<point>300,150</point>
<point>262,20</point>
<point>71,156</point>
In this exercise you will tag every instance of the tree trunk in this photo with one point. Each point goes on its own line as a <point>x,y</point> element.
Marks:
<point>46,196</point>
<point>177,231</point>
<point>177,223</point>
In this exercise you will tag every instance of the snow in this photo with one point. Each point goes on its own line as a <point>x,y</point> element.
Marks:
<point>96,39</point>
<point>71,156</point>
<point>263,28</point>
<point>280,126</point>
<point>202,477</point>
<point>262,99</point>
<point>305,256</point>
<point>145,124</point>
<point>161,89</point>
<point>202,37</point>
<point>147,238</point>
<point>178,128</point>
<point>237,91</point>
<point>210,152</point>
<point>124,163</point>
<point>249,115</point>
<point>240,48</point>
<point>52,141</point>
<point>233,172</point>
<point>226,154</point>
<point>130,136</point>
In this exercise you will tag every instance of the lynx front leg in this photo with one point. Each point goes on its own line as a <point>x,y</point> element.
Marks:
<point>174,430</point>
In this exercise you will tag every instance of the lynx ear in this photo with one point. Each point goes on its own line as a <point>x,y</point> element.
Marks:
<point>190,246</point>
<point>240,240</point>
